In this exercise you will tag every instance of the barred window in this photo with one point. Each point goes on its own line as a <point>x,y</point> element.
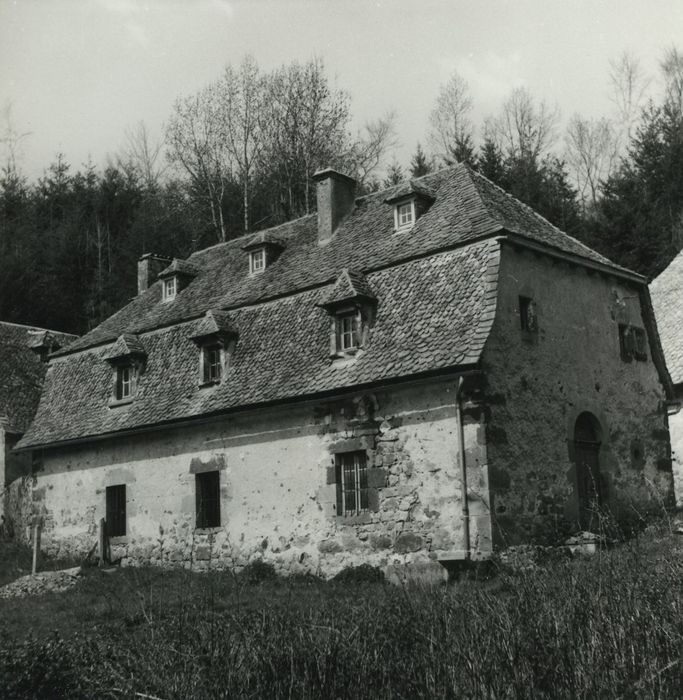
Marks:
<point>632,342</point>
<point>352,482</point>
<point>116,510</point>
<point>208,502</point>
<point>527,315</point>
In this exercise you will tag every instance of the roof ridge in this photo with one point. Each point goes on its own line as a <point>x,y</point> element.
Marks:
<point>36,328</point>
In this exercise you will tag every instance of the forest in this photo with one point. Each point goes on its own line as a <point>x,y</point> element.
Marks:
<point>239,155</point>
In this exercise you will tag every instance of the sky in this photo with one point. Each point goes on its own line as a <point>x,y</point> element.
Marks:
<point>78,73</point>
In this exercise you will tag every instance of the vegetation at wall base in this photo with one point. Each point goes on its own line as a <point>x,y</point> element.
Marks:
<point>607,626</point>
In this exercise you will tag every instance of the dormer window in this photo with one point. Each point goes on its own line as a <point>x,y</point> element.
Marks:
<point>127,358</point>
<point>257,260</point>
<point>405,215</point>
<point>216,337</point>
<point>170,288</point>
<point>351,306</point>
<point>410,201</point>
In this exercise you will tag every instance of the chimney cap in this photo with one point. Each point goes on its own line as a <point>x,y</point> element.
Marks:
<point>325,173</point>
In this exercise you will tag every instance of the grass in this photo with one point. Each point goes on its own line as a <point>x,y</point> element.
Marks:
<point>609,627</point>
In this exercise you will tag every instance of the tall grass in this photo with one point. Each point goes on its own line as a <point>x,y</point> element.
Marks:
<point>608,627</point>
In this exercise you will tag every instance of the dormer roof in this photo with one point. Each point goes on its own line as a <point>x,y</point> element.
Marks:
<point>263,238</point>
<point>216,324</point>
<point>179,267</point>
<point>127,346</point>
<point>409,189</point>
<point>351,285</point>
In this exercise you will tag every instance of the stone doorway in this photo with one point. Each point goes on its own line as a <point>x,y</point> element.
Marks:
<point>590,487</point>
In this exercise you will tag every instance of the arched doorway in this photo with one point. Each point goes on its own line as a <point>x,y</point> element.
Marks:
<point>591,494</point>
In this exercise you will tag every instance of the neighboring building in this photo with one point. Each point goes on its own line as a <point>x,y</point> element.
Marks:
<point>667,299</point>
<point>23,356</point>
<point>324,393</point>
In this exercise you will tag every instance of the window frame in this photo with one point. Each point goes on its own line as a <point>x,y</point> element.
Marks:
<point>125,390</point>
<point>355,316</point>
<point>116,510</point>
<point>205,364</point>
<point>169,294</point>
<point>207,499</point>
<point>528,315</point>
<point>404,226</point>
<point>633,343</point>
<point>353,463</point>
<point>260,254</point>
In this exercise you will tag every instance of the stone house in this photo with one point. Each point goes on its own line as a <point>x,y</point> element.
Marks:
<point>667,299</point>
<point>404,379</point>
<point>23,355</point>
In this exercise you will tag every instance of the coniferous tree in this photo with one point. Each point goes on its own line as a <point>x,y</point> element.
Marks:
<point>419,163</point>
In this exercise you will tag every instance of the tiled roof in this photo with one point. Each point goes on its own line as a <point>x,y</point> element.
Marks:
<point>667,300</point>
<point>433,313</point>
<point>22,372</point>
<point>350,284</point>
<point>435,292</point>
<point>467,207</point>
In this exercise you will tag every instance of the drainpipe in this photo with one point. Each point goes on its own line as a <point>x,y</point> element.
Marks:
<point>463,470</point>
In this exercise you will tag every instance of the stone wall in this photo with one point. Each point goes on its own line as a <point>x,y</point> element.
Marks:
<point>278,490</point>
<point>540,382</point>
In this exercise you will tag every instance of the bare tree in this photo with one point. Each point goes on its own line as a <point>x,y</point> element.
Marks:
<point>672,71</point>
<point>630,84</point>
<point>144,154</point>
<point>525,128</point>
<point>450,124</point>
<point>11,140</point>
<point>245,116</point>
<point>366,154</point>
<point>196,144</point>
<point>592,147</point>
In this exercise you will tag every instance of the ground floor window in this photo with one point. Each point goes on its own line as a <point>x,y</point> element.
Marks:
<point>207,485</point>
<point>116,510</point>
<point>352,482</point>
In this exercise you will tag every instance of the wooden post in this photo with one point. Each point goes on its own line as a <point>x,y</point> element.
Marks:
<point>103,541</point>
<point>36,546</point>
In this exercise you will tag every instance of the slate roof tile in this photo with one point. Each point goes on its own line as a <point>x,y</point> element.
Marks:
<point>666,291</point>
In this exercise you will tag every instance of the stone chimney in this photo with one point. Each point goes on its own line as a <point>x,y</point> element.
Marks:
<point>336,196</point>
<point>149,266</point>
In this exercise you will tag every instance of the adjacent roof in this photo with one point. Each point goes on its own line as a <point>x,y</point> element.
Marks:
<point>435,295</point>
<point>667,300</point>
<point>350,284</point>
<point>22,372</point>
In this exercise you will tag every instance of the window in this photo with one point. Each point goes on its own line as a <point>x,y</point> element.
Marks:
<point>632,343</point>
<point>125,382</point>
<point>405,215</point>
<point>207,488</point>
<point>116,510</point>
<point>212,363</point>
<point>170,288</point>
<point>257,260</point>
<point>352,483</point>
<point>347,325</point>
<point>527,315</point>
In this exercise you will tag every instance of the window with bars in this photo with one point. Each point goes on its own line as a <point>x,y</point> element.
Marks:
<point>527,315</point>
<point>352,483</point>
<point>207,490</point>
<point>116,510</point>
<point>125,382</point>
<point>212,364</point>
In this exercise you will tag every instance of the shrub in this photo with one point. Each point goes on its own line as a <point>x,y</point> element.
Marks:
<point>258,571</point>
<point>360,574</point>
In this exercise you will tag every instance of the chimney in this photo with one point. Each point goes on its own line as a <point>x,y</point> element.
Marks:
<point>149,266</point>
<point>336,196</point>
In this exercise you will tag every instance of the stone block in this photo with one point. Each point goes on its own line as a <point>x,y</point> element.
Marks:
<point>408,542</point>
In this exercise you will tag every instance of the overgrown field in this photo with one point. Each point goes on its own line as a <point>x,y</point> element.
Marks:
<point>606,627</point>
